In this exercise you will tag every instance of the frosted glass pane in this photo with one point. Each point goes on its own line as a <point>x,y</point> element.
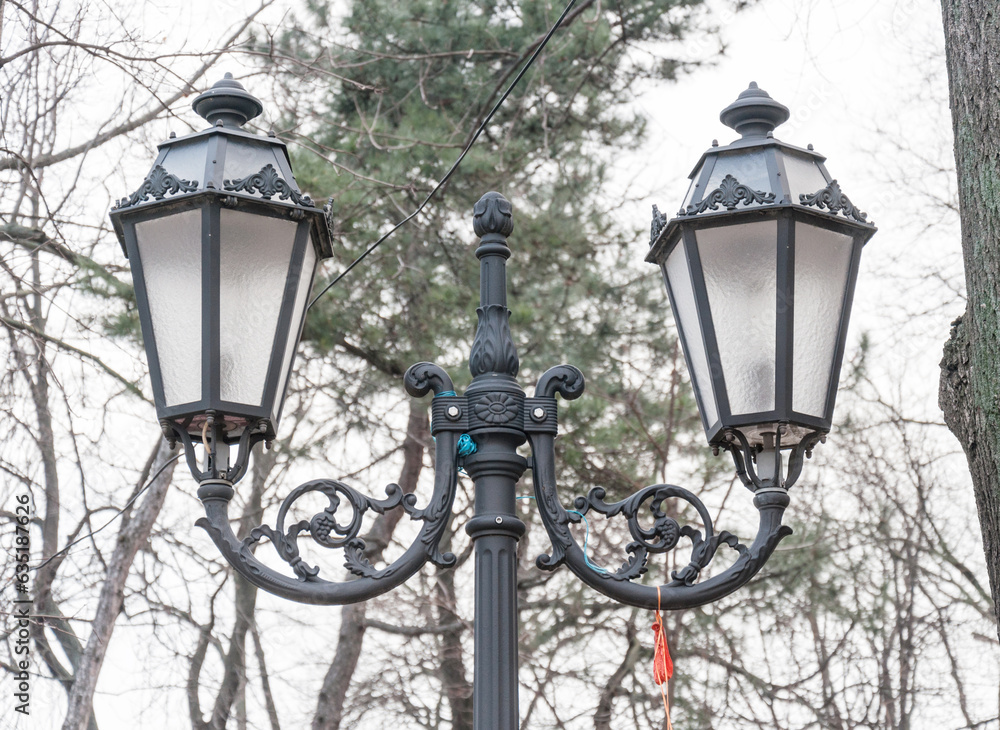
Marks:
<point>822,260</point>
<point>244,159</point>
<point>686,317</point>
<point>254,255</point>
<point>170,254</point>
<point>301,294</point>
<point>187,161</point>
<point>739,264</point>
<point>804,176</point>
<point>749,168</point>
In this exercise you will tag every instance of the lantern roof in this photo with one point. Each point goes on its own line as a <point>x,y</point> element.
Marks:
<point>756,172</point>
<point>223,160</point>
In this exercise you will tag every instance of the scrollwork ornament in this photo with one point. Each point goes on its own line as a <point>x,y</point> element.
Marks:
<point>664,534</point>
<point>560,520</point>
<point>833,199</point>
<point>566,380</point>
<point>730,193</point>
<point>157,185</point>
<point>324,527</point>
<point>268,183</point>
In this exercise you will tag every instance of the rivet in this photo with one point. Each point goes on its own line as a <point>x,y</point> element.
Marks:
<point>499,520</point>
<point>453,412</point>
<point>538,414</point>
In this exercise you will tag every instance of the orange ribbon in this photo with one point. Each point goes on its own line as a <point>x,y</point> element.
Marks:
<point>663,665</point>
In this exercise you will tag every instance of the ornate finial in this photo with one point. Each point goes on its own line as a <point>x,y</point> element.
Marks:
<point>833,199</point>
<point>227,102</point>
<point>754,113</point>
<point>492,214</point>
<point>658,224</point>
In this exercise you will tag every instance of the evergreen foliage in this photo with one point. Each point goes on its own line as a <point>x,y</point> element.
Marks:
<point>422,75</point>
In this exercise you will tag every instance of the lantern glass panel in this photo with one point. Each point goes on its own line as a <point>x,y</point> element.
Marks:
<point>298,311</point>
<point>255,253</point>
<point>170,256</point>
<point>693,186</point>
<point>804,175</point>
<point>739,265</point>
<point>822,265</point>
<point>678,276</point>
<point>187,160</point>
<point>245,158</point>
<point>749,168</point>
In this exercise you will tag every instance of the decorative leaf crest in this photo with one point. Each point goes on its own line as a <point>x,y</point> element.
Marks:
<point>833,199</point>
<point>157,184</point>
<point>730,193</point>
<point>658,224</point>
<point>269,183</point>
<point>493,349</point>
<point>328,215</point>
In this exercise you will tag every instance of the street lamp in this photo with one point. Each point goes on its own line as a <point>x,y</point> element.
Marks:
<point>759,264</point>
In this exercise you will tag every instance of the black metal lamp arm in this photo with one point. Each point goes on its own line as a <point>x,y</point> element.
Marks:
<point>664,533</point>
<point>327,531</point>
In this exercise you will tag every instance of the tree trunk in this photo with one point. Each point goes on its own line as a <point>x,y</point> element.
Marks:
<point>330,705</point>
<point>133,534</point>
<point>970,371</point>
<point>452,659</point>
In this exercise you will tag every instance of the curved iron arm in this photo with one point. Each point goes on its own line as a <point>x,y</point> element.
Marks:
<point>664,534</point>
<point>327,531</point>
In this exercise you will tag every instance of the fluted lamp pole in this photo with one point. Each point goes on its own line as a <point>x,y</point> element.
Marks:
<point>759,264</point>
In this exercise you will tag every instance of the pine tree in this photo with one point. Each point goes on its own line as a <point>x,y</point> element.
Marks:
<point>411,82</point>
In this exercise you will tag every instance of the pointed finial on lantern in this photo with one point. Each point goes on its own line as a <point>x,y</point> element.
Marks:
<point>754,113</point>
<point>227,102</point>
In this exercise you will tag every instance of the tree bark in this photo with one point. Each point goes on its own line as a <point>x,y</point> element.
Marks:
<point>969,392</point>
<point>613,687</point>
<point>457,687</point>
<point>330,705</point>
<point>133,534</point>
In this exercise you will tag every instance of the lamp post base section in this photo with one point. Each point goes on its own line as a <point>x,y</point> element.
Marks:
<point>495,531</point>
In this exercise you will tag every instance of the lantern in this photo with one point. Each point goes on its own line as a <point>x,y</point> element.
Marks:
<point>760,264</point>
<point>223,248</point>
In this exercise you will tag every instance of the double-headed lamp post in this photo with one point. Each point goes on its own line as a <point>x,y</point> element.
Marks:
<point>759,264</point>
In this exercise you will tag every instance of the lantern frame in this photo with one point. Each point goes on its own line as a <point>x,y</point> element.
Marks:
<point>270,193</point>
<point>756,114</point>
